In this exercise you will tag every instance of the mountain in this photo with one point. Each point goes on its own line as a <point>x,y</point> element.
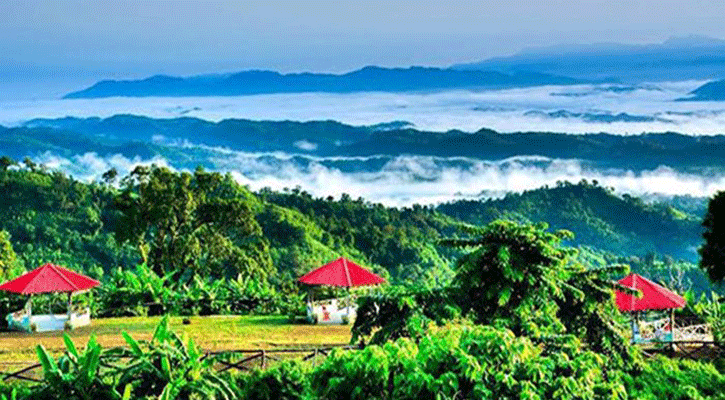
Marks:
<point>599,217</point>
<point>363,80</point>
<point>711,91</point>
<point>194,141</point>
<point>677,59</point>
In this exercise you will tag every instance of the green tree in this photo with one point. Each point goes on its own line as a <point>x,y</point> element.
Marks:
<point>199,222</point>
<point>712,252</point>
<point>8,258</point>
<point>6,162</point>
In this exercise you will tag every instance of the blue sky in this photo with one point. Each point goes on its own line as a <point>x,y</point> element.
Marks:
<point>78,42</point>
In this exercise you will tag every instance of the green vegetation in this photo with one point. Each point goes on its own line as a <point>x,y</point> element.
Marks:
<point>522,318</point>
<point>713,251</point>
<point>623,225</point>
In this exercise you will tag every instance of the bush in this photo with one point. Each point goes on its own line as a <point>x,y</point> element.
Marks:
<point>286,381</point>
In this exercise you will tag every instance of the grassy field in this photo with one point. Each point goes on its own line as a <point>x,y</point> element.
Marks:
<point>211,333</point>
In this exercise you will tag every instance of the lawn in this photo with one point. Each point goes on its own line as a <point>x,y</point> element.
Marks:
<point>211,333</point>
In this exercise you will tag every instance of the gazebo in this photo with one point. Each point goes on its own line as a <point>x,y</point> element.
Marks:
<point>339,273</point>
<point>49,279</point>
<point>652,297</point>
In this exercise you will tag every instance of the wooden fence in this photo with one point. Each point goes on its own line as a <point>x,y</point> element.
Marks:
<point>241,360</point>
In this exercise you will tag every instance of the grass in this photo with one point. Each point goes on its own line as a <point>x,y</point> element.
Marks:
<point>213,333</point>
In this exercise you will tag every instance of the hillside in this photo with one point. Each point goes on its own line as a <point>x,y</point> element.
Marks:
<point>52,217</point>
<point>364,80</point>
<point>711,91</point>
<point>623,225</point>
<point>676,59</point>
<point>134,135</point>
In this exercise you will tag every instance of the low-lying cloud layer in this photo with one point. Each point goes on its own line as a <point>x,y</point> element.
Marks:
<point>406,180</point>
<point>571,109</point>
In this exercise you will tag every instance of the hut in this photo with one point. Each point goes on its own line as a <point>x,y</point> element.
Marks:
<point>49,278</point>
<point>651,297</point>
<point>339,273</point>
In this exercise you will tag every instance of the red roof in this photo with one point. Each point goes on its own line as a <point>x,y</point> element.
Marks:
<point>341,272</point>
<point>654,296</point>
<point>48,279</point>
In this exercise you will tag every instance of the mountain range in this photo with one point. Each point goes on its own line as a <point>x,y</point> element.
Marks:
<point>368,79</point>
<point>180,137</point>
<point>676,59</point>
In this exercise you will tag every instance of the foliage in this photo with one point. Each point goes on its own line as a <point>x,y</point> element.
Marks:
<point>286,381</point>
<point>518,277</point>
<point>75,375</point>
<point>466,362</point>
<point>143,292</point>
<point>712,251</point>
<point>183,222</point>
<point>664,378</point>
<point>621,224</point>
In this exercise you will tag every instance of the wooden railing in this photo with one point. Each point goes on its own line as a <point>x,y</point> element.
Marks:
<point>241,360</point>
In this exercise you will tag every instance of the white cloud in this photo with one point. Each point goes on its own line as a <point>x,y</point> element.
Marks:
<point>502,110</point>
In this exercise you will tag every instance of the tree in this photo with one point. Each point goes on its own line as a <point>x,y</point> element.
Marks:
<point>6,162</point>
<point>197,223</point>
<point>8,258</point>
<point>110,176</point>
<point>712,253</point>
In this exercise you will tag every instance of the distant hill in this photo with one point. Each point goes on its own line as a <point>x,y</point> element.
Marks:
<point>330,138</point>
<point>677,59</point>
<point>600,218</point>
<point>711,91</point>
<point>363,80</point>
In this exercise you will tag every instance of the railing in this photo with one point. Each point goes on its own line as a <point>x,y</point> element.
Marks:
<point>241,360</point>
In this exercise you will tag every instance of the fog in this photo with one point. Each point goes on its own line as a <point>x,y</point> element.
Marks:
<point>406,180</point>
<point>646,108</point>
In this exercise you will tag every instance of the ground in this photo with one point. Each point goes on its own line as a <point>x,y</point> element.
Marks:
<point>211,333</point>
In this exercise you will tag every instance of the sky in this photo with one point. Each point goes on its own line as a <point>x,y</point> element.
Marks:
<point>74,43</point>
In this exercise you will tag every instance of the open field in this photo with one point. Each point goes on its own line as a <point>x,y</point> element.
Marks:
<point>211,333</point>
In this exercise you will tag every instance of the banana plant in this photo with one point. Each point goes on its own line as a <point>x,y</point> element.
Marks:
<point>77,375</point>
<point>170,367</point>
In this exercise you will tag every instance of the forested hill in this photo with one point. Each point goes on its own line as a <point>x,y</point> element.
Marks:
<point>206,223</point>
<point>188,142</point>
<point>215,226</point>
<point>599,218</point>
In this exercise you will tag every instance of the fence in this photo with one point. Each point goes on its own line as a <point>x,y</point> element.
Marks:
<point>241,360</point>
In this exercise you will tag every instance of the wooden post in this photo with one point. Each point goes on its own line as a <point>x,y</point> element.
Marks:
<point>672,328</point>
<point>70,306</point>
<point>264,359</point>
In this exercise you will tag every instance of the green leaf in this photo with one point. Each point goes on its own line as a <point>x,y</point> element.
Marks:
<point>127,392</point>
<point>70,346</point>
<point>504,296</point>
<point>49,365</point>
<point>135,348</point>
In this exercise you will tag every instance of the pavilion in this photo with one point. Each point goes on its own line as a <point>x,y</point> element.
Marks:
<point>339,273</point>
<point>49,278</point>
<point>652,297</point>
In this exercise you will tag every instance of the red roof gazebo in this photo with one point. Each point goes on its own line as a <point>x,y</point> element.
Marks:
<point>651,297</point>
<point>48,278</point>
<point>341,273</point>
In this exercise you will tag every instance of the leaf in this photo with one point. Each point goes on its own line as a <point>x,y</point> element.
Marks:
<point>127,392</point>
<point>135,348</point>
<point>70,346</point>
<point>49,365</point>
<point>505,295</point>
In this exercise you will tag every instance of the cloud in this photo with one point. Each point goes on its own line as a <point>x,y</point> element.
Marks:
<point>305,145</point>
<point>90,166</point>
<point>406,180</point>
<point>503,110</point>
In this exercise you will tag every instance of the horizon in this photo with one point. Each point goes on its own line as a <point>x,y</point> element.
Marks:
<point>52,48</point>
